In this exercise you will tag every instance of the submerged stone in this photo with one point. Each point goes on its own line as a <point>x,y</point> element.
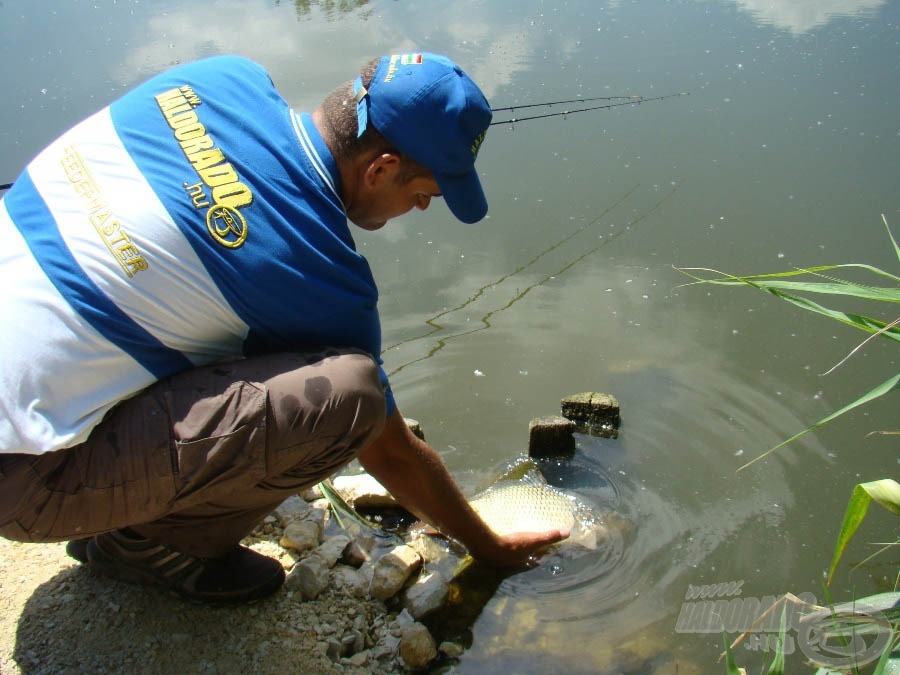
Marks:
<point>594,413</point>
<point>417,648</point>
<point>551,437</point>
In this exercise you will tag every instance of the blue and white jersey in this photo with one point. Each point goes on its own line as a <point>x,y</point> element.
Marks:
<point>194,220</point>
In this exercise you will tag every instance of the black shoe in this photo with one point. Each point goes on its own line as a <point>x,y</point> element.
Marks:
<point>241,575</point>
<point>77,548</point>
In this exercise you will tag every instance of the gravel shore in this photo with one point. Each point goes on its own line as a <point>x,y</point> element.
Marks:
<point>56,616</point>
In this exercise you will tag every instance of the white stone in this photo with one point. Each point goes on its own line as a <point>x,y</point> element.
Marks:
<point>310,576</point>
<point>302,535</point>
<point>392,571</point>
<point>330,551</point>
<point>349,581</point>
<point>363,490</point>
<point>312,494</point>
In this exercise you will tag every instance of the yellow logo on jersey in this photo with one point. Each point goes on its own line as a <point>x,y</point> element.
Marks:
<point>227,193</point>
<point>100,214</point>
<point>226,225</point>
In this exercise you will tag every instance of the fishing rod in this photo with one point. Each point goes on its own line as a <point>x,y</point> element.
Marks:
<point>632,100</point>
<point>571,100</point>
<point>628,100</point>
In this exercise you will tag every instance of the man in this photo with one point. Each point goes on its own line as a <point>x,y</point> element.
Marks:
<point>191,336</point>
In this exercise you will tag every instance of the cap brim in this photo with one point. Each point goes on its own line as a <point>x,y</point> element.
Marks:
<point>464,195</point>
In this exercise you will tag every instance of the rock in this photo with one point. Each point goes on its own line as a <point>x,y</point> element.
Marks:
<point>330,551</point>
<point>349,581</point>
<point>310,576</point>
<point>292,508</point>
<point>312,494</point>
<point>347,644</point>
<point>451,650</point>
<point>432,548</point>
<point>334,649</point>
<point>385,648</point>
<point>302,535</point>
<point>593,412</point>
<point>354,554</point>
<point>359,659</point>
<point>417,648</point>
<point>392,571</point>
<point>319,512</point>
<point>551,437</point>
<point>401,621</point>
<point>363,490</point>
<point>428,594</point>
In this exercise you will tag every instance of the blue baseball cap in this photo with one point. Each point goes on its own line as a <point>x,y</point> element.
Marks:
<point>426,106</point>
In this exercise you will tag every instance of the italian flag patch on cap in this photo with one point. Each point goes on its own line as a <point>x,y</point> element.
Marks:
<point>410,59</point>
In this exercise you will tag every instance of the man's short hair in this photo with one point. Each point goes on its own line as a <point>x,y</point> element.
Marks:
<point>339,113</point>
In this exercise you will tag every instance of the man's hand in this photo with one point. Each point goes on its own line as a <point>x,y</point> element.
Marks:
<point>415,475</point>
<point>518,549</point>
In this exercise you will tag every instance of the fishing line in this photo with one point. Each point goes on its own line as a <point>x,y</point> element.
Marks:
<point>632,100</point>
<point>521,293</point>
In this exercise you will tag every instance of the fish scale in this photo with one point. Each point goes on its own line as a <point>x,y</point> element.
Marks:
<point>524,507</point>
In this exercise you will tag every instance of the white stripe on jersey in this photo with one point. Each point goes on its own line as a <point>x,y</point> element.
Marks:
<point>81,374</point>
<point>173,297</point>
<point>310,149</point>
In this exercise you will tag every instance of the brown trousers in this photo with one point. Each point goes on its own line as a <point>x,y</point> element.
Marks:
<point>198,459</point>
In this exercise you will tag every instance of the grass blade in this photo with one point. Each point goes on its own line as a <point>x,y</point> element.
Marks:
<point>890,234</point>
<point>891,384</point>
<point>837,285</point>
<point>730,666</point>
<point>777,667</point>
<point>886,492</point>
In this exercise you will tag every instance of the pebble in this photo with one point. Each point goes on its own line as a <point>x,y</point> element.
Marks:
<point>303,535</point>
<point>417,648</point>
<point>428,594</point>
<point>393,570</point>
<point>310,576</point>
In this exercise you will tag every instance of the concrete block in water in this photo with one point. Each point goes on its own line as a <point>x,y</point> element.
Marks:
<point>594,413</point>
<point>551,437</point>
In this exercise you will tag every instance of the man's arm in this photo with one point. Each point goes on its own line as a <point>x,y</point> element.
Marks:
<point>415,475</point>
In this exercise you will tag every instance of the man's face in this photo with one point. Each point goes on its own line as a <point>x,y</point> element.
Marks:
<point>382,195</point>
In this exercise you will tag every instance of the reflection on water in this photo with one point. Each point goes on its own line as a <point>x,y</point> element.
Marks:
<point>802,16</point>
<point>439,329</point>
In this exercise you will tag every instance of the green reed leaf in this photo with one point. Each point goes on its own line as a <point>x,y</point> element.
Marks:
<point>885,492</point>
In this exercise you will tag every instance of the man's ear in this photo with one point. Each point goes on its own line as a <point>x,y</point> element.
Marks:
<point>381,166</point>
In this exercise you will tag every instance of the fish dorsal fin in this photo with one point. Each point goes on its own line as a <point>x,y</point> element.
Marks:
<point>533,477</point>
<point>523,470</point>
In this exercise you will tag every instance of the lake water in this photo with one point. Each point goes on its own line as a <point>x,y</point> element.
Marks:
<point>785,153</point>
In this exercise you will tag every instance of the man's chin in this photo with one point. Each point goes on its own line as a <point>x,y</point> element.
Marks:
<point>368,224</point>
